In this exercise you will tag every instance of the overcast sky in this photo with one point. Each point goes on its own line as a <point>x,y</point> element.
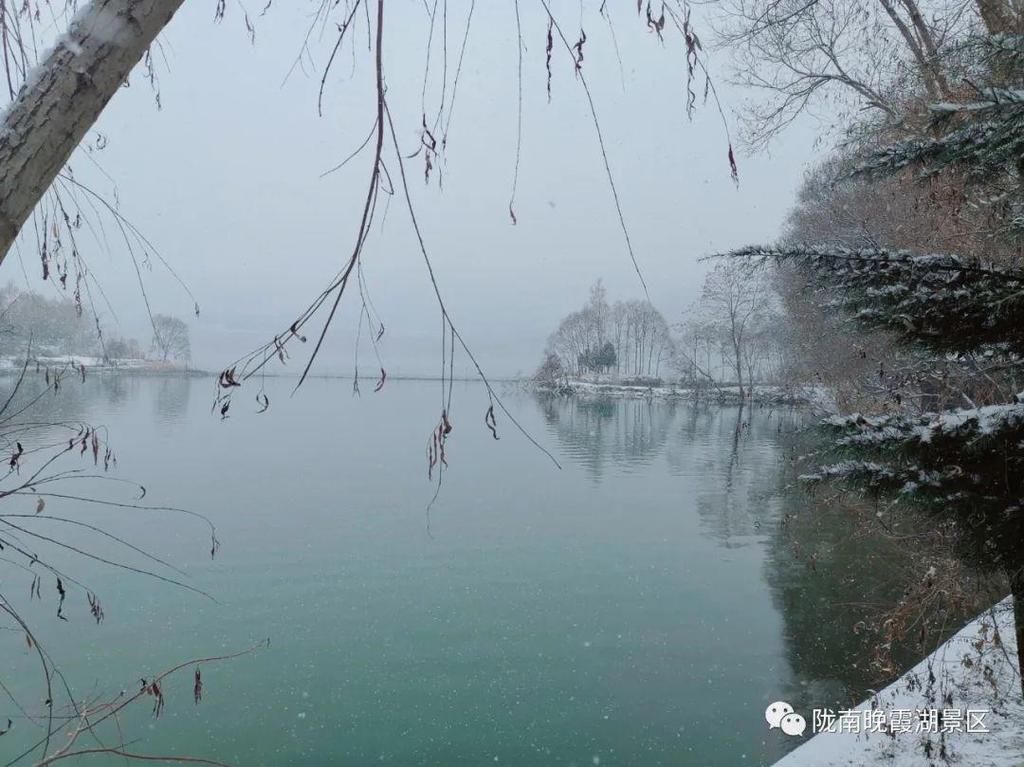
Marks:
<point>225,180</point>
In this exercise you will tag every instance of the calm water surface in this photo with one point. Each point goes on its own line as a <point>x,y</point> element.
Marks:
<point>640,606</point>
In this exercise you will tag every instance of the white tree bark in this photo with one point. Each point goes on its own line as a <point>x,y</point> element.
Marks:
<point>64,95</point>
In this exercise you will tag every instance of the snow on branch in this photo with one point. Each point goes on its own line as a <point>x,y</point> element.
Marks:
<point>967,462</point>
<point>945,303</point>
<point>981,135</point>
<point>929,437</point>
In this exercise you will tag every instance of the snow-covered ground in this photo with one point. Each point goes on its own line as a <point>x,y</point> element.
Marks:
<point>817,397</point>
<point>976,670</point>
<point>11,364</point>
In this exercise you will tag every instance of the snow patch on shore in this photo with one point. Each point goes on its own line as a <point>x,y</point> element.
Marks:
<point>9,363</point>
<point>977,669</point>
<point>817,397</point>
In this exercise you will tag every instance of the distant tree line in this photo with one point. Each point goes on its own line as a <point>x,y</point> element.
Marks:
<point>52,324</point>
<point>56,326</point>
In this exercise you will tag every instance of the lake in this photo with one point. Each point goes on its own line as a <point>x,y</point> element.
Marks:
<point>640,606</point>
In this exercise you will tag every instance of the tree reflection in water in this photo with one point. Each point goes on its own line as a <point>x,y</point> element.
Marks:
<point>828,575</point>
<point>171,400</point>
<point>602,434</point>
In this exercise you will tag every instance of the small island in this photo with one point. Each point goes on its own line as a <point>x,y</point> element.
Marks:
<point>728,347</point>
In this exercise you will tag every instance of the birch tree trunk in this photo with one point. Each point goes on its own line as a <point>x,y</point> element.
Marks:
<point>64,95</point>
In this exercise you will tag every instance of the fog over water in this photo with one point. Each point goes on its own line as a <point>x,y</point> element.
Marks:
<point>225,179</point>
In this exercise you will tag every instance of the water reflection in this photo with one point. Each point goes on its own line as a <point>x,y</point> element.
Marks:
<point>117,389</point>
<point>733,455</point>
<point>603,434</point>
<point>72,399</point>
<point>829,575</point>
<point>33,400</point>
<point>170,402</point>
<point>583,608</point>
<point>826,575</point>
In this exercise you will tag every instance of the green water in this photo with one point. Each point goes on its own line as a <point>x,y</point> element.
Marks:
<point>640,606</point>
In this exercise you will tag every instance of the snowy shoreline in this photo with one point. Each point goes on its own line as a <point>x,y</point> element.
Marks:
<point>12,366</point>
<point>763,394</point>
<point>975,670</point>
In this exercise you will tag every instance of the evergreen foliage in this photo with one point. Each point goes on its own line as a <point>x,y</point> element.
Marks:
<point>963,466</point>
<point>945,303</point>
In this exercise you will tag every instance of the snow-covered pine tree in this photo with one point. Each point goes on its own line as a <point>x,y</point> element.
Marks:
<point>965,466</point>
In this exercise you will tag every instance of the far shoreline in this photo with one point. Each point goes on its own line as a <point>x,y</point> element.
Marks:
<point>719,394</point>
<point>783,395</point>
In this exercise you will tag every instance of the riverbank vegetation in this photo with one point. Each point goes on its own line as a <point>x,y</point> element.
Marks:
<point>906,247</point>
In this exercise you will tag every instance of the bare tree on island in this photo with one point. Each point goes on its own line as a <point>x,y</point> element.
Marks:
<point>171,338</point>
